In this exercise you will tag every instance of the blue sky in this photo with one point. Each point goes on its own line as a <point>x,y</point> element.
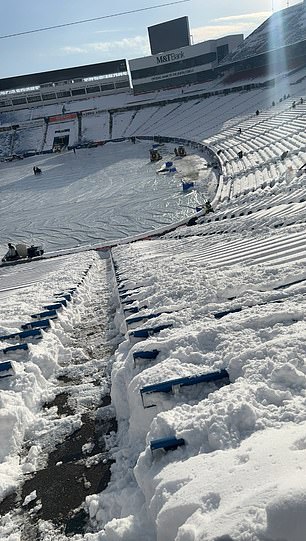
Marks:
<point>112,38</point>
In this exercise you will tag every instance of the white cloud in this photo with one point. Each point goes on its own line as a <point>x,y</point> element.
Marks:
<point>72,50</point>
<point>114,30</point>
<point>234,24</point>
<point>248,16</point>
<point>139,44</point>
<point>109,31</point>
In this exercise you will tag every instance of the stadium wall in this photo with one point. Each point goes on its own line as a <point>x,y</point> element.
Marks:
<point>180,67</point>
<point>63,85</point>
<point>112,68</point>
<point>177,68</point>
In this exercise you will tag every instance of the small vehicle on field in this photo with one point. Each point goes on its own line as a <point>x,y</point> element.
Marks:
<point>22,252</point>
<point>155,156</point>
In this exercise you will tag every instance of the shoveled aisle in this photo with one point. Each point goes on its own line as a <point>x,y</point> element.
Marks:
<point>64,456</point>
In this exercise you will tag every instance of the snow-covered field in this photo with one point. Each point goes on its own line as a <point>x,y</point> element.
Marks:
<point>96,195</point>
<point>226,294</point>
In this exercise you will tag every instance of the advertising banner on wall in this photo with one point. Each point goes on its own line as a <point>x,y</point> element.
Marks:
<point>62,118</point>
<point>172,74</point>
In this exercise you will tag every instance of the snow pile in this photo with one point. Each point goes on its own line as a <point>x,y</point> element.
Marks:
<point>239,474</point>
<point>254,492</point>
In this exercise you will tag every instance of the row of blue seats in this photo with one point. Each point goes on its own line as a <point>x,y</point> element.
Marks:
<point>33,328</point>
<point>139,333</point>
<point>221,377</point>
<point>147,355</point>
<point>220,315</point>
<point>124,295</point>
<point>171,443</point>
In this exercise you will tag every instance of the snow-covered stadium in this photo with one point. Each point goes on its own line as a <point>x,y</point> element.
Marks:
<point>152,371</point>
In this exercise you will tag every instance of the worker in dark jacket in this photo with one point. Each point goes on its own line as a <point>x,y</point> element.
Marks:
<point>11,253</point>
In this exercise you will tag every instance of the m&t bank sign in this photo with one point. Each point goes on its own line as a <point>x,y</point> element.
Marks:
<point>170,57</point>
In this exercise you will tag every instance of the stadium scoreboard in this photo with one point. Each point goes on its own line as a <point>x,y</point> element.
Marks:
<point>169,35</point>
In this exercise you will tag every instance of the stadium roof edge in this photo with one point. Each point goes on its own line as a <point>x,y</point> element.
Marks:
<point>54,76</point>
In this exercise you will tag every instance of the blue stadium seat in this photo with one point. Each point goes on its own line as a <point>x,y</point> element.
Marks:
<point>132,310</point>
<point>145,355</point>
<point>56,306</point>
<point>128,301</point>
<point>219,315</point>
<point>125,295</point>
<point>168,444</point>
<point>168,386</point>
<point>145,333</point>
<point>51,314</point>
<point>15,348</point>
<point>23,334</point>
<point>187,186</point>
<point>135,319</point>
<point>69,291</point>
<point>145,317</point>
<point>6,369</point>
<point>9,336</point>
<point>42,324</point>
<point>31,333</point>
<point>66,296</point>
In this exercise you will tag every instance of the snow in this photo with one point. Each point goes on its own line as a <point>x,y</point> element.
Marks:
<point>284,27</point>
<point>238,437</point>
<point>93,197</point>
<point>231,290</point>
<point>30,498</point>
<point>252,473</point>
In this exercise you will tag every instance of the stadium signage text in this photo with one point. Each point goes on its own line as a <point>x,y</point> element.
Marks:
<point>170,57</point>
<point>172,74</point>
